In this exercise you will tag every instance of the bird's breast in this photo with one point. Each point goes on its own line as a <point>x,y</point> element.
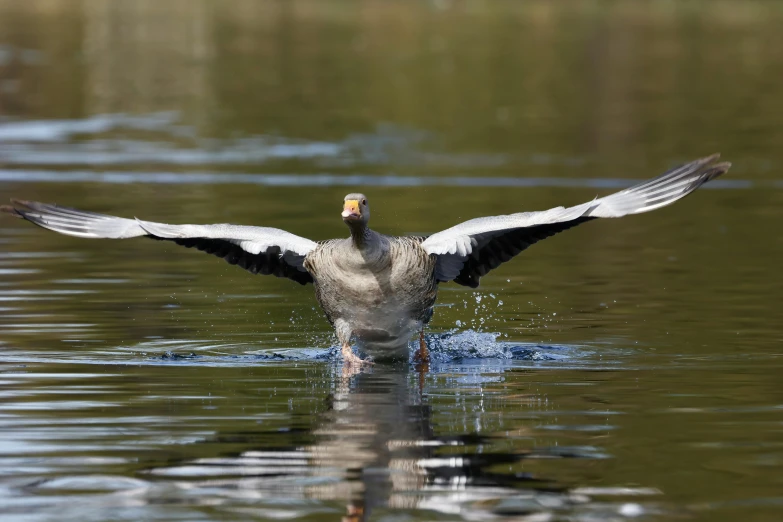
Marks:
<point>393,284</point>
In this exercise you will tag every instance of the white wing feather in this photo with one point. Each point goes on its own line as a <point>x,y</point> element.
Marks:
<point>644,197</point>
<point>79,223</point>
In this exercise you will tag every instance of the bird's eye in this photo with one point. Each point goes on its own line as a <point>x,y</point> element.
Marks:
<point>364,202</point>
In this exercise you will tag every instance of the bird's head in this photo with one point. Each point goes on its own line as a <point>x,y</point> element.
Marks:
<point>356,211</point>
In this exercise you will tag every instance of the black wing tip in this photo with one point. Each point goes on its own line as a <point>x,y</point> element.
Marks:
<point>33,211</point>
<point>13,211</point>
<point>699,171</point>
<point>707,165</point>
<point>707,162</point>
<point>20,207</point>
<point>24,203</point>
<point>716,170</point>
<point>708,171</point>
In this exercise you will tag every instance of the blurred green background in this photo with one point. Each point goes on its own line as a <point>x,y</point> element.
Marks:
<point>655,360</point>
<point>617,83</point>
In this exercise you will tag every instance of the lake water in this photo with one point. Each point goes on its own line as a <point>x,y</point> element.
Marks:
<point>625,369</point>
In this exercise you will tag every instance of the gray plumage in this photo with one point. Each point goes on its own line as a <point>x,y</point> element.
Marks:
<point>381,292</point>
<point>377,289</point>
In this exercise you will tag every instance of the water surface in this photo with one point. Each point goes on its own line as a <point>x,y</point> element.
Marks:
<point>627,368</point>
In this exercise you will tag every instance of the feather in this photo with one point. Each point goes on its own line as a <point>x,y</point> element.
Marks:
<point>482,244</point>
<point>256,249</point>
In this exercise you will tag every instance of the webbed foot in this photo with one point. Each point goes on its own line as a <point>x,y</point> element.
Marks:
<point>351,359</point>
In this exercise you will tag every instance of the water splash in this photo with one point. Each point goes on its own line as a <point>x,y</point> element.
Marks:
<point>456,347</point>
<point>443,347</point>
<point>471,344</point>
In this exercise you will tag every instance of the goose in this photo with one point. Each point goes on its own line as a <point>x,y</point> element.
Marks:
<point>379,291</point>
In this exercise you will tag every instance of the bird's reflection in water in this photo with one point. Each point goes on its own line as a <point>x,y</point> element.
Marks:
<point>378,429</point>
<point>373,448</point>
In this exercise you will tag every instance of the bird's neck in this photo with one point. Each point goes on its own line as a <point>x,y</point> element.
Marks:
<point>360,236</point>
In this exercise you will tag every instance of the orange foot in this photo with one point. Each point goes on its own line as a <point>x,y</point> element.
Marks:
<point>422,355</point>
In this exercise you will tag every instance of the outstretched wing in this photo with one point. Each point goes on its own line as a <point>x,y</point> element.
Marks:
<point>471,249</point>
<point>259,250</point>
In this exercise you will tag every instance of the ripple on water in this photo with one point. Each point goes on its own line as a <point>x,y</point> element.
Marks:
<point>467,348</point>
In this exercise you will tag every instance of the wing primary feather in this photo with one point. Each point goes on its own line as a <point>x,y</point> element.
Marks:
<point>258,248</point>
<point>493,240</point>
